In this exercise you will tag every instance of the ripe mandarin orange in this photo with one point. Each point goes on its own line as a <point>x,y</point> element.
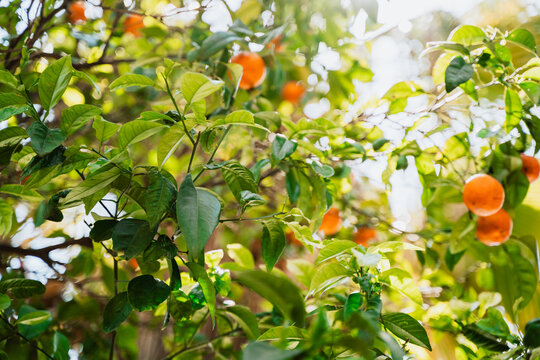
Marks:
<point>134,264</point>
<point>364,234</point>
<point>76,12</point>
<point>292,91</point>
<point>530,167</point>
<point>133,24</point>
<point>483,195</point>
<point>254,69</point>
<point>331,222</point>
<point>494,229</point>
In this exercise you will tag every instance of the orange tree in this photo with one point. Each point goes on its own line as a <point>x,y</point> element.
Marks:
<point>213,220</point>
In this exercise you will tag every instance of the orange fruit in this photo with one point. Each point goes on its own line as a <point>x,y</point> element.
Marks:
<point>293,91</point>
<point>289,235</point>
<point>530,167</point>
<point>133,24</point>
<point>364,234</point>
<point>331,222</point>
<point>76,12</point>
<point>276,44</point>
<point>483,195</point>
<point>134,264</point>
<point>253,67</point>
<point>494,229</point>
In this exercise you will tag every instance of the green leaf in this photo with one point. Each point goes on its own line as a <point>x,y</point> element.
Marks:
<point>214,43</point>
<point>93,184</point>
<point>278,290</point>
<point>284,333</point>
<point>197,213</point>
<point>54,81</point>
<point>158,197</point>
<point>239,117</point>
<point>5,301</point>
<point>532,90</point>
<point>327,276</point>
<point>352,304</point>
<point>169,142</point>
<point>123,233</point>
<point>116,312</point>
<point>22,288</point>
<point>324,170</point>
<point>146,293</point>
<point>467,35</point>
<point>457,73</point>
<point>333,248</point>
<point>104,129</point>
<point>12,135</point>
<point>513,108</point>
<point>401,281</point>
<point>407,328</point>
<point>131,80</point>
<point>207,287</point>
<point>34,318</point>
<point>6,217</point>
<point>238,178</point>
<point>44,140</point>
<point>494,323</point>
<point>272,242</point>
<point>245,319</point>
<point>241,255</point>
<point>8,79</point>
<point>281,148</point>
<point>88,78</point>
<point>392,246</point>
<point>516,188</point>
<point>263,351</point>
<point>196,86</point>
<point>140,241</point>
<point>103,229</point>
<point>76,116</point>
<point>483,339</point>
<point>137,130</point>
<point>532,334</point>
<point>20,192</point>
<point>379,143</point>
<point>60,346</point>
<point>524,38</point>
<point>12,104</point>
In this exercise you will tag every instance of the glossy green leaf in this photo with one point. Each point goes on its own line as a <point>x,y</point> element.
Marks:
<point>12,104</point>
<point>197,212</point>
<point>263,351</point>
<point>12,135</point>
<point>76,116</point>
<point>20,192</point>
<point>131,80</point>
<point>196,86</point>
<point>159,196</point>
<point>93,184</point>
<point>532,334</point>
<point>239,117</point>
<point>116,311</point>
<point>323,170</point>
<point>352,304</point>
<point>327,276</point>
<point>32,331</point>
<point>457,73</point>
<point>238,178</point>
<point>524,38</point>
<point>103,229</point>
<point>22,288</point>
<point>54,81</point>
<point>284,333</point>
<point>34,318</point>
<point>215,43</point>
<point>467,35</point>
<point>272,242</point>
<point>513,108</point>
<point>140,241</point>
<point>124,232</point>
<point>5,301</point>
<point>278,290</point>
<point>136,131</point>
<point>60,346</point>
<point>333,248</point>
<point>146,293</point>
<point>169,142</point>
<point>104,129</point>
<point>282,147</point>
<point>8,79</point>
<point>401,281</point>
<point>245,319</point>
<point>241,255</point>
<point>407,328</point>
<point>207,286</point>
<point>44,140</point>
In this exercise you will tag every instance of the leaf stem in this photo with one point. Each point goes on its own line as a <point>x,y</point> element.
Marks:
<point>25,338</point>
<point>178,110</point>
<point>214,152</point>
<point>193,152</point>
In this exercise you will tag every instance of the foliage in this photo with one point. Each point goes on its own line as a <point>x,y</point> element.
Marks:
<point>192,188</point>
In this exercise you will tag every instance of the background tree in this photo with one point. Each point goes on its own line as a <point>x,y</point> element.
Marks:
<point>178,187</point>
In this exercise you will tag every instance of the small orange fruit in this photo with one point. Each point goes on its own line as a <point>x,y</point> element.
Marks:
<point>276,44</point>
<point>494,229</point>
<point>293,91</point>
<point>363,235</point>
<point>134,264</point>
<point>289,235</point>
<point>530,167</point>
<point>76,12</point>
<point>331,222</point>
<point>483,195</point>
<point>254,69</point>
<point>133,24</point>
